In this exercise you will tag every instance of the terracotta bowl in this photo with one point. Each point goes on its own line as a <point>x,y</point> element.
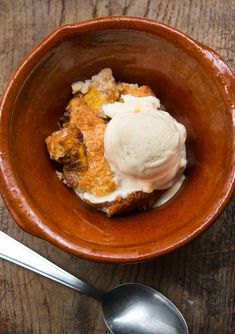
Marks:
<point>193,83</point>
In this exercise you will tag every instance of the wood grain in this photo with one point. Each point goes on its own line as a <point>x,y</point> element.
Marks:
<point>200,277</point>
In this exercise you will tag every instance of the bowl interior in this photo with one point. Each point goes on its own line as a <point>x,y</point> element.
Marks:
<point>187,90</point>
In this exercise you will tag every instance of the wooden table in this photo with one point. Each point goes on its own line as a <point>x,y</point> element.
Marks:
<point>198,278</point>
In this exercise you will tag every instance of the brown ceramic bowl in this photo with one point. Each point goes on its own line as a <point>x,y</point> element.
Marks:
<point>194,84</point>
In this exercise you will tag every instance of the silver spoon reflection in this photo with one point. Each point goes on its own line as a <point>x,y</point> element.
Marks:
<point>128,308</point>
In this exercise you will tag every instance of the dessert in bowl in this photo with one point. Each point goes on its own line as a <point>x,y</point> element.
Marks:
<point>195,86</point>
<point>117,145</point>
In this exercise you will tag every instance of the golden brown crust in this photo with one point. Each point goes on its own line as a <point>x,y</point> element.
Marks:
<point>125,88</point>
<point>66,147</point>
<point>136,200</point>
<point>97,178</point>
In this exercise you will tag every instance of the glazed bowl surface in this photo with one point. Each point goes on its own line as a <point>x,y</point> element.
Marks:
<point>194,84</point>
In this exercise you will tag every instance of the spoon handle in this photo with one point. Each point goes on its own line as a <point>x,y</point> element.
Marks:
<point>15,252</point>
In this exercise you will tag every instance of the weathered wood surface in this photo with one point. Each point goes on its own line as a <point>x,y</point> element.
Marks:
<point>198,278</point>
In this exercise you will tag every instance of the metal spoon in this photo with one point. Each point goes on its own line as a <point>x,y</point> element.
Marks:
<point>128,308</point>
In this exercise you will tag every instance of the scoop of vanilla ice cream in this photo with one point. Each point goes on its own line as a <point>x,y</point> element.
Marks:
<point>144,145</point>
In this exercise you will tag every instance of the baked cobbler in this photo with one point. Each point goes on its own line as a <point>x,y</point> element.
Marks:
<point>118,147</point>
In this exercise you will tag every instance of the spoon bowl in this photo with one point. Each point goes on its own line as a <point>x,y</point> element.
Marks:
<point>138,309</point>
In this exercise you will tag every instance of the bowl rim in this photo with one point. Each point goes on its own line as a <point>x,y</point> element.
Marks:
<point>27,217</point>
